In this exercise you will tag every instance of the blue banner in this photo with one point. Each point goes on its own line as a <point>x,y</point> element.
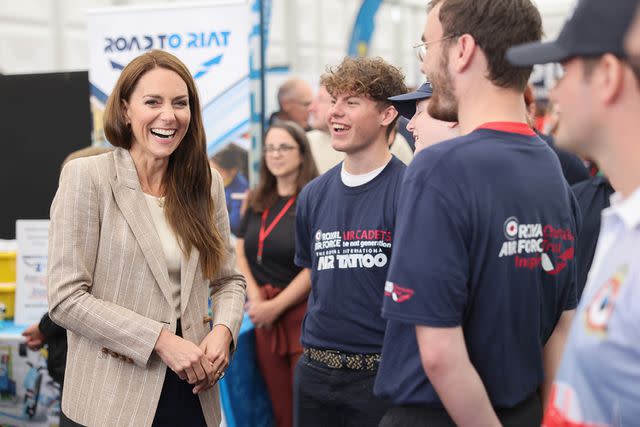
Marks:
<point>363,28</point>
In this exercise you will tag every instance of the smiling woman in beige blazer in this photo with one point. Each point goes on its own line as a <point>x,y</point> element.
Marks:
<point>139,239</point>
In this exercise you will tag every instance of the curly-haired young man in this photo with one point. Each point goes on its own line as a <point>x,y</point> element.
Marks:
<point>345,220</point>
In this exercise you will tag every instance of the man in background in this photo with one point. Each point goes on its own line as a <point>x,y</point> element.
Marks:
<point>227,163</point>
<point>294,98</point>
<point>319,136</point>
<point>572,166</point>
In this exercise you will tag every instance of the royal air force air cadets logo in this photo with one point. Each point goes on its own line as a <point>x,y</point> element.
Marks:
<point>349,249</point>
<point>536,245</point>
<point>397,293</point>
<point>600,309</point>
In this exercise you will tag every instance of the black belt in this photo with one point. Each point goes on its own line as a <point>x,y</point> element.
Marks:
<point>338,360</point>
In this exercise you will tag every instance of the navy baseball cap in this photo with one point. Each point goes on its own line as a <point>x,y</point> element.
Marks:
<point>406,104</point>
<point>596,27</point>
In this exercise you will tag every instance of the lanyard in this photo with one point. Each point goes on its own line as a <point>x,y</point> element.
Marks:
<point>264,233</point>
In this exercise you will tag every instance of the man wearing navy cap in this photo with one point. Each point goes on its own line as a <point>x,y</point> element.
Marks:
<point>425,129</point>
<point>599,99</point>
<point>482,277</point>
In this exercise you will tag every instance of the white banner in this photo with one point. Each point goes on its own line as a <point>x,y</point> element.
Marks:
<point>212,39</point>
<point>32,237</point>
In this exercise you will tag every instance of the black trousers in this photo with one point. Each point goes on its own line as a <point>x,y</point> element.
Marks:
<point>525,414</point>
<point>67,422</point>
<point>328,397</point>
<point>64,420</point>
<point>178,406</point>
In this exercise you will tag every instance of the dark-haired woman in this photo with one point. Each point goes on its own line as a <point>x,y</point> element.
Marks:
<point>139,240</point>
<point>277,289</point>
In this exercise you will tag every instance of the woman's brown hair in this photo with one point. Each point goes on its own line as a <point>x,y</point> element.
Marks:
<point>266,194</point>
<point>189,207</point>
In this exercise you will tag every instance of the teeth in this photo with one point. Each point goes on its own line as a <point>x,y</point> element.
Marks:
<point>339,127</point>
<point>164,132</point>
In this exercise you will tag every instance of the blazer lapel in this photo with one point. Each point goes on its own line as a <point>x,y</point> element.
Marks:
<point>132,203</point>
<point>189,267</point>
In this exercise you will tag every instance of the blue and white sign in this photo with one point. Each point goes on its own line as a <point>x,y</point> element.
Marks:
<point>32,237</point>
<point>212,39</point>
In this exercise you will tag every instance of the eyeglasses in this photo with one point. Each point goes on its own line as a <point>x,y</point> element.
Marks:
<point>421,48</point>
<point>283,148</point>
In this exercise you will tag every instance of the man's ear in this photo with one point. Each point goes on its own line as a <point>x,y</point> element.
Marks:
<point>610,76</point>
<point>388,115</point>
<point>463,51</point>
<point>284,105</point>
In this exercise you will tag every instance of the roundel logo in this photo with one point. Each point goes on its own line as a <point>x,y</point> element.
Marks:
<point>600,310</point>
<point>318,235</point>
<point>511,228</point>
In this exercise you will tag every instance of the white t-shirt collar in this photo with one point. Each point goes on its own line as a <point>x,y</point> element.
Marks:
<point>351,180</point>
<point>628,210</point>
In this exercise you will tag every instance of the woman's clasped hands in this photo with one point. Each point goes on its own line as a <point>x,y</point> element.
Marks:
<point>201,366</point>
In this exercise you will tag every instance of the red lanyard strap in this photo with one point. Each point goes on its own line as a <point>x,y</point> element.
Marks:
<point>262,235</point>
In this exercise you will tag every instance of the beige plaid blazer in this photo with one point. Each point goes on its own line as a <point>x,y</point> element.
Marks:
<point>109,286</point>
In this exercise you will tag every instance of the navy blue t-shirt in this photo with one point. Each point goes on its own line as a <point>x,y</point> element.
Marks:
<point>344,235</point>
<point>485,239</point>
<point>593,197</point>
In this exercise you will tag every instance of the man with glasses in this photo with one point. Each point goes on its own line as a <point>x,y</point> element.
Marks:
<point>294,98</point>
<point>344,233</point>
<point>482,280</point>
<point>599,102</point>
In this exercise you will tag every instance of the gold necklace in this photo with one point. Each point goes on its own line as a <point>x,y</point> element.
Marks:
<point>159,199</point>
